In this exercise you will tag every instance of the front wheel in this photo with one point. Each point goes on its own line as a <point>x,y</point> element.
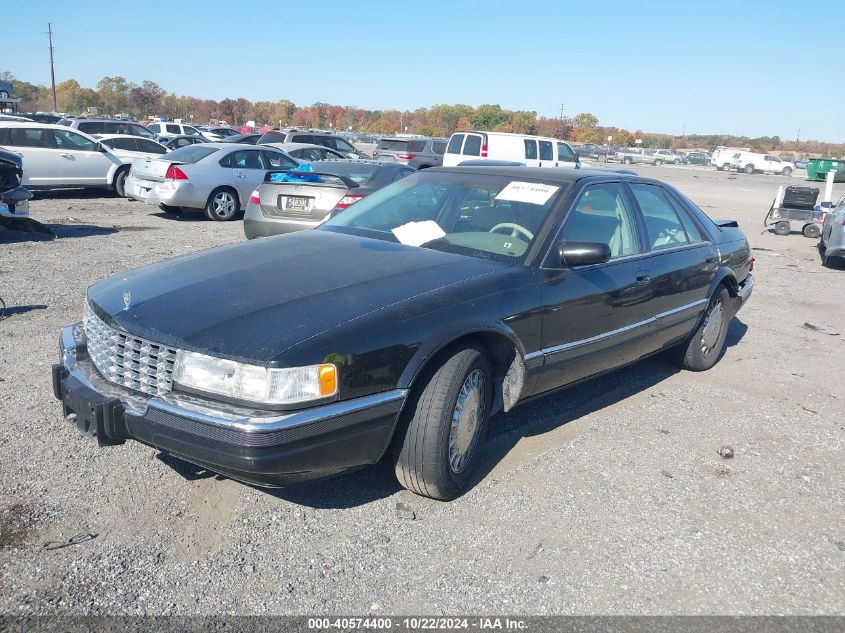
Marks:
<point>658,163</point>
<point>726,167</point>
<point>705,347</point>
<point>627,161</point>
<point>749,169</point>
<point>120,183</point>
<point>811,230</point>
<point>445,424</point>
<point>677,161</point>
<point>787,171</point>
<point>783,228</point>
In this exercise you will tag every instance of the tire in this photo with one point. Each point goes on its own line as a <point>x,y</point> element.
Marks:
<point>431,458</point>
<point>222,205</point>
<point>627,161</point>
<point>168,209</point>
<point>749,169</point>
<point>677,161</point>
<point>787,171</point>
<point>120,182</point>
<point>726,167</point>
<point>783,228</point>
<point>811,230</point>
<point>658,163</point>
<point>707,344</point>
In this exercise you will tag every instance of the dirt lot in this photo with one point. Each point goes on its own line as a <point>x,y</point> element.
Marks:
<point>609,498</point>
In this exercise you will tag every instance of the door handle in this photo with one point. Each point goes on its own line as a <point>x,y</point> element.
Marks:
<point>67,155</point>
<point>643,277</point>
<point>240,176</point>
<point>710,259</point>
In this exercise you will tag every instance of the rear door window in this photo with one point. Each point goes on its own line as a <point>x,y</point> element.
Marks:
<point>546,151</point>
<point>274,160</point>
<point>150,147</point>
<point>127,144</point>
<point>472,146</point>
<point>31,137</point>
<point>439,147</point>
<point>305,138</point>
<point>92,127</point>
<point>663,226</point>
<point>154,127</point>
<point>341,145</point>
<point>530,149</point>
<point>416,146</point>
<point>455,144</point>
<point>173,129</point>
<point>247,159</point>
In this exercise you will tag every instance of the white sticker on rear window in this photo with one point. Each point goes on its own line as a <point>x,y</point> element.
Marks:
<point>531,192</point>
<point>418,233</point>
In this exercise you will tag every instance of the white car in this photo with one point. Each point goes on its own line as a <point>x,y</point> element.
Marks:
<point>55,156</point>
<point>167,128</point>
<point>218,132</point>
<point>127,149</point>
<point>532,151</point>
<point>752,162</point>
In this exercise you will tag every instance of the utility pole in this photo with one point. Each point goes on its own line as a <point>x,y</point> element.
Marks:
<point>561,120</point>
<point>52,66</point>
<point>798,138</point>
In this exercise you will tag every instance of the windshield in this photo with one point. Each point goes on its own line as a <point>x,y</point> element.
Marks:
<point>191,153</point>
<point>481,215</point>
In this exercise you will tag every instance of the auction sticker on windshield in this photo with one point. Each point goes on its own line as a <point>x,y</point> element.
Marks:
<point>531,192</point>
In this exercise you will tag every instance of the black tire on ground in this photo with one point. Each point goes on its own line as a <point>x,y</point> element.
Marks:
<point>783,228</point>
<point>168,209</point>
<point>222,205</point>
<point>787,171</point>
<point>120,182</point>
<point>658,163</point>
<point>811,230</point>
<point>707,344</point>
<point>627,160</point>
<point>677,161</point>
<point>726,167</point>
<point>434,456</point>
<point>749,169</point>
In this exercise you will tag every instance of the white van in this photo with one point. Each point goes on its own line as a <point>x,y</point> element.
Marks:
<point>752,162</point>
<point>723,157</point>
<point>534,151</point>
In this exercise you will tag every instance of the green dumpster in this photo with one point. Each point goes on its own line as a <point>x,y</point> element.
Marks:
<point>817,169</point>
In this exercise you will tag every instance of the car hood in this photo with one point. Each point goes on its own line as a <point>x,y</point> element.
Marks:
<point>252,301</point>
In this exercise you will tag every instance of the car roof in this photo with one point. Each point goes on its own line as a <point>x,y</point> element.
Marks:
<point>106,137</point>
<point>287,146</point>
<point>563,175</point>
<point>51,126</point>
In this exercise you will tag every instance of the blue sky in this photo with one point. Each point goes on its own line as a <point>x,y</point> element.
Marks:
<point>744,67</point>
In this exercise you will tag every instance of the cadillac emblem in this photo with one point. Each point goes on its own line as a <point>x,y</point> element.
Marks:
<point>127,299</point>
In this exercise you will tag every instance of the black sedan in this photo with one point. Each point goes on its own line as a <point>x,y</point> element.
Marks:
<point>401,325</point>
<point>250,139</point>
<point>175,142</point>
<point>289,201</point>
<point>696,158</point>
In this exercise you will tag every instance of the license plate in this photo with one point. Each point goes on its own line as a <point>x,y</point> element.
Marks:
<point>297,203</point>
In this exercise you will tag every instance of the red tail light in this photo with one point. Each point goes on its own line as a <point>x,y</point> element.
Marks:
<point>843,221</point>
<point>174,173</point>
<point>484,151</point>
<point>253,198</point>
<point>405,156</point>
<point>751,266</point>
<point>348,200</point>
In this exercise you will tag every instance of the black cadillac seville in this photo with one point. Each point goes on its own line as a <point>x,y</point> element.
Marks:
<point>401,325</point>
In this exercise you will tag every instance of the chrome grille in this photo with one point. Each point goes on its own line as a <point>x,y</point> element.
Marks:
<point>128,360</point>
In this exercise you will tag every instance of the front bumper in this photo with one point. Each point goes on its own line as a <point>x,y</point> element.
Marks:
<point>266,448</point>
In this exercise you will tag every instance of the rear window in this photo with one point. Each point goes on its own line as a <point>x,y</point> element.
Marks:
<point>92,127</point>
<point>472,147</point>
<point>455,144</point>
<point>191,153</point>
<point>393,145</point>
<point>439,147</point>
<point>361,173</point>
<point>416,146</point>
<point>271,137</point>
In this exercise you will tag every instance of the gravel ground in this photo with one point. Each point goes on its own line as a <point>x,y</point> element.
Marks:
<point>609,498</point>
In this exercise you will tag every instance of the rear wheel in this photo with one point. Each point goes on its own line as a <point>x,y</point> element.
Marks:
<point>446,421</point>
<point>677,161</point>
<point>783,228</point>
<point>627,161</point>
<point>222,205</point>
<point>120,182</point>
<point>658,163</point>
<point>749,169</point>
<point>726,167</point>
<point>705,347</point>
<point>811,230</point>
<point>787,171</point>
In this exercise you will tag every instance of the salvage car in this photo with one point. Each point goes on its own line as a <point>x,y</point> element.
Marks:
<point>398,327</point>
<point>128,149</point>
<point>302,200</point>
<point>832,240</point>
<point>14,199</point>
<point>216,178</point>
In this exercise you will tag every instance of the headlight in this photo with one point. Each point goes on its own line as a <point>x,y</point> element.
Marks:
<point>253,383</point>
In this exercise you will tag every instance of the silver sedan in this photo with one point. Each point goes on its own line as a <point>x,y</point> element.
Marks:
<point>215,177</point>
<point>832,242</point>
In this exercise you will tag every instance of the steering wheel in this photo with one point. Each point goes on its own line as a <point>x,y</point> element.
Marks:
<point>516,229</point>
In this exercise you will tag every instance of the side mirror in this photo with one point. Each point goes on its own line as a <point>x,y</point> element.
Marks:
<point>583,253</point>
<point>99,147</point>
